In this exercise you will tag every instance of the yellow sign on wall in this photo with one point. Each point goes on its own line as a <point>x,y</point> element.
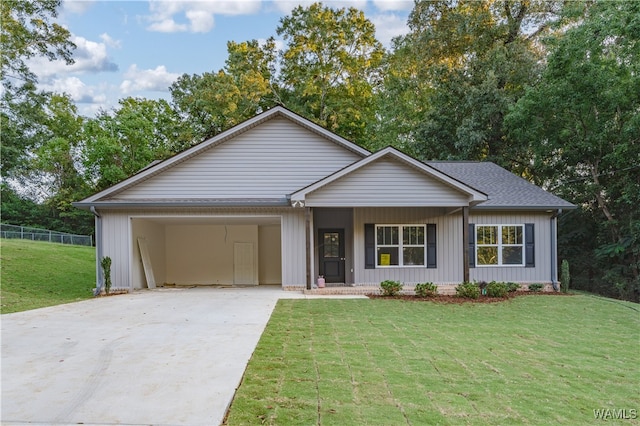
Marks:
<point>385,259</point>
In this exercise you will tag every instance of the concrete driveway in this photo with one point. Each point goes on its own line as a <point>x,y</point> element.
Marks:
<point>161,357</point>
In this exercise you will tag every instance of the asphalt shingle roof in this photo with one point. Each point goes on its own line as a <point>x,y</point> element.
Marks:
<point>505,190</point>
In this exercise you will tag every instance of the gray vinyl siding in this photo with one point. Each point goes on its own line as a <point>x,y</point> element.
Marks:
<point>448,241</point>
<point>294,270</point>
<point>386,182</point>
<point>120,240</point>
<point>269,161</point>
<point>116,244</point>
<point>541,273</point>
<point>449,247</point>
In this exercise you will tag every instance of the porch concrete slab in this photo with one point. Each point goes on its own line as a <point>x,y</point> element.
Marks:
<point>161,357</point>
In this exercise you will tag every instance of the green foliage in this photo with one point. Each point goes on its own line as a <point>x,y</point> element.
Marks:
<point>496,289</point>
<point>466,63</point>
<point>426,290</point>
<point>331,67</point>
<point>390,287</point>
<point>468,290</point>
<point>535,287</point>
<point>564,276</point>
<point>27,32</point>
<point>584,112</point>
<point>106,270</point>
<point>39,274</point>
<point>512,287</point>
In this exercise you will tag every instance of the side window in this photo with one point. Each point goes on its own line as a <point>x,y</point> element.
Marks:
<point>498,245</point>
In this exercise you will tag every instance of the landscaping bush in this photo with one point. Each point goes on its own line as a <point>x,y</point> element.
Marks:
<point>468,290</point>
<point>495,289</point>
<point>390,287</point>
<point>426,290</point>
<point>511,287</point>
<point>535,287</point>
<point>565,277</point>
<point>106,269</point>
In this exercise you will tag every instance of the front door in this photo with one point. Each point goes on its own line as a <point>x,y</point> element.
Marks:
<point>331,252</point>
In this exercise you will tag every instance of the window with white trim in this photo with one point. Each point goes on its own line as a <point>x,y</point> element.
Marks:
<point>400,245</point>
<point>500,245</point>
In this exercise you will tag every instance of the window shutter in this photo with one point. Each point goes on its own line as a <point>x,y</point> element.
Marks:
<point>369,246</point>
<point>431,245</point>
<point>472,245</point>
<point>529,245</point>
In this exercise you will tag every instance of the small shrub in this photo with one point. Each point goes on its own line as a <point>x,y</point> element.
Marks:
<point>390,287</point>
<point>565,277</point>
<point>511,287</point>
<point>535,287</point>
<point>106,269</point>
<point>426,290</point>
<point>468,290</point>
<point>495,289</point>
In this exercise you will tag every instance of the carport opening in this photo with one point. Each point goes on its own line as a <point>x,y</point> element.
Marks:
<point>215,250</point>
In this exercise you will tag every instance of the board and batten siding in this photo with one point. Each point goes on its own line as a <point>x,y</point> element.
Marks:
<point>541,272</point>
<point>386,182</point>
<point>268,161</point>
<point>121,229</point>
<point>448,243</point>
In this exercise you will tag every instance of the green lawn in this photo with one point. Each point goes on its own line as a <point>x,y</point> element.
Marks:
<point>535,360</point>
<point>38,274</point>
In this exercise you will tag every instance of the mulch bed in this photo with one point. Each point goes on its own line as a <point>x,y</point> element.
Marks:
<point>441,298</point>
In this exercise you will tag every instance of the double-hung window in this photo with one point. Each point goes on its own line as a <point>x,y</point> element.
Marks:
<point>500,245</point>
<point>400,245</point>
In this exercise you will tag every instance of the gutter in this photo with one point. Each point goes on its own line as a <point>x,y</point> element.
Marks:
<point>98,224</point>
<point>553,228</point>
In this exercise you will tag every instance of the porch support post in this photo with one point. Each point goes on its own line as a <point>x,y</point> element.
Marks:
<point>307,234</point>
<point>465,244</point>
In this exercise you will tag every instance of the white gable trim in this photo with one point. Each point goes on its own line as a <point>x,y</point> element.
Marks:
<point>475,196</point>
<point>277,111</point>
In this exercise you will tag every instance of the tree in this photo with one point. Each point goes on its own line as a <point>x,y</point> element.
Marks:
<point>121,142</point>
<point>467,62</point>
<point>330,68</point>
<point>583,119</point>
<point>26,33</point>
<point>213,102</point>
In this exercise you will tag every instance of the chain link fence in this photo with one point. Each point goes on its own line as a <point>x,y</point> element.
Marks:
<point>36,234</point>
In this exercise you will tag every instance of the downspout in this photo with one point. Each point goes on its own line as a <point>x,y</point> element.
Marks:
<point>98,222</point>
<point>553,228</point>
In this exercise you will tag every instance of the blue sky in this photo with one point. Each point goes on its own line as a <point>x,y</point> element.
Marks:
<point>138,48</point>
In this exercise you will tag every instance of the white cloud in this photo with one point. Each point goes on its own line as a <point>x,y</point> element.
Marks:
<point>111,42</point>
<point>388,5</point>
<point>389,26</point>
<point>157,80</point>
<point>74,87</point>
<point>76,6</point>
<point>89,56</point>
<point>194,16</point>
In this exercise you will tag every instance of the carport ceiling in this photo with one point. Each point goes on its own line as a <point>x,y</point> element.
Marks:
<point>214,220</point>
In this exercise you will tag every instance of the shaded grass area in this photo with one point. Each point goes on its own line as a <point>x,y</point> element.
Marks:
<point>38,274</point>
<point>530,360</point>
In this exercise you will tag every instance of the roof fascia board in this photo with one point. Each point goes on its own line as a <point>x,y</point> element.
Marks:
<point>476,196</point>
<point>221,137</point>
<point>284,202</point>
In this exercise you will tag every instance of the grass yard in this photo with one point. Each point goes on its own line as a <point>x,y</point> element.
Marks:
<point>536,360</point>
<point>38,274</point>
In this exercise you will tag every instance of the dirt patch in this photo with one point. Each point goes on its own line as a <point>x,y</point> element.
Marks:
<point>441,298</point>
